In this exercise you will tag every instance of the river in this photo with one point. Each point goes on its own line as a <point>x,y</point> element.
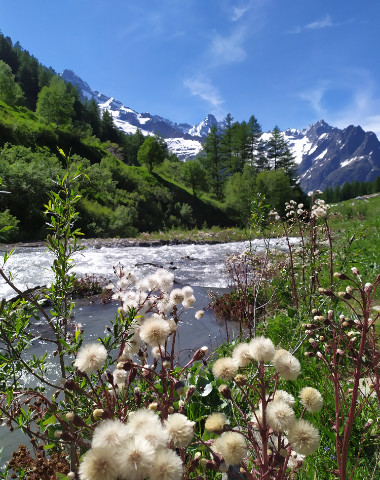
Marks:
<point>200,266</point>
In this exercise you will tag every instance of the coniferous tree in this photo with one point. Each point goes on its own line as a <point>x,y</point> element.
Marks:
<point>279,155</point>
<point>226,143</point>
<point>8,54</point>
<point>27,77</point>
<point>256,146</point>
<point>108,131</point>
<point>213,160</point>
<point>93,117</point>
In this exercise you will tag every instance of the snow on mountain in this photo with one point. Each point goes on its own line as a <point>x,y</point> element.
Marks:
<point>183,139</point>
<point>328,156</point>
<point>325,155</point>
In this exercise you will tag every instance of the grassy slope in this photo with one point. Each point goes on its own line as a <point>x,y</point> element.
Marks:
<point>20,126</point>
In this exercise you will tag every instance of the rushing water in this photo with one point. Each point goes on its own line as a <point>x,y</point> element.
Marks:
<point>200,266</point>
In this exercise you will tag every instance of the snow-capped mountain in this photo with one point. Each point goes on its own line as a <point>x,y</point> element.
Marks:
<point>183,139</point>
<point>326,155</point>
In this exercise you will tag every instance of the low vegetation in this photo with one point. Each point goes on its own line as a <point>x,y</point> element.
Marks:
<point>298,398</point>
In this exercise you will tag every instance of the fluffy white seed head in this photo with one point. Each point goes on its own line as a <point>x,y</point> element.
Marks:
<point>155,331</point>
<point>242,355</point>
<point>279,415</point>
<point>311,399</point>
<point>303,437</point>
<point>215,422</point>
<point>225,368</point>
<point>180,429</point>
<point>98,464</point>
<point>287,365</point>
<point>167,466</point>
<point>232,447</point>
<point>262,349</point>
<point>90,358</point>
<point>109,434</point>
<point>176,296</point>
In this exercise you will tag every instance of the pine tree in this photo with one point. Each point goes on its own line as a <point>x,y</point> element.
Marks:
<point>226,143</point>
<point>213,160</point>
<point>279,155</point>
<point>108,131</point>
<point>255,146</point>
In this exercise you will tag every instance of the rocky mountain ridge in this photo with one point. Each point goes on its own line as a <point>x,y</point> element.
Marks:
<point>326,155</point>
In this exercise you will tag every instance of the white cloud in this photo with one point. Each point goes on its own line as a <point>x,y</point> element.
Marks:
<point>239,12</point>
<point>204,89</point>
<point>225,50</point>
<point>323,23</point>
<point>314,97</point>
<point>316,25</point>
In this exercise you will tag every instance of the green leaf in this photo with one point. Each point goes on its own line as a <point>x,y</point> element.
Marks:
<point>49,420</point>
<point>48,447</point>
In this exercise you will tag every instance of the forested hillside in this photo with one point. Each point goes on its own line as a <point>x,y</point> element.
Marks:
<point>135,183</point>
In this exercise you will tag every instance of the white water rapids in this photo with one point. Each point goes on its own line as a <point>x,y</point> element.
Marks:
<point>200,266</point>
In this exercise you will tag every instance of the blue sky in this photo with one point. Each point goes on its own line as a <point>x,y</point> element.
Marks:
<point>289,63</point>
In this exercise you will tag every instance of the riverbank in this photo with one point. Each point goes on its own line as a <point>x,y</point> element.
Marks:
<point>155,239</point>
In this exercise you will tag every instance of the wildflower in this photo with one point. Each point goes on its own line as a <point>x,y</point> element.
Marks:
<point>189,302</point>
<point>283,396</point>
<point>180,429</point>
<point>139,418</point>
<point>225,368</point>
<point>355,271</point>
<point>303,437</point>
<point>262,349</point>
<point>172,325</point>
<point>98,412</point>
<point>136,460</point>
<point>279,415</point>
<point>215,422</point>
<point>199,314</point>
<point>287,366</point>
<point>155,331</point>
<point>119,377</point>
<point>165,279</point>
<point>187,291</point>
<point>155,434</point>
<point>167,466</point>
<point>311,399</point>
<point>98,464</point>
<point>109,434</point>
<point>90,358</point>
<point>176,296</point>
<point>242,355</point>
<point>231,446</point>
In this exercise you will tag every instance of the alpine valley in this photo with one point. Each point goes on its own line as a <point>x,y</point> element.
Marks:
<point>325,155</point>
